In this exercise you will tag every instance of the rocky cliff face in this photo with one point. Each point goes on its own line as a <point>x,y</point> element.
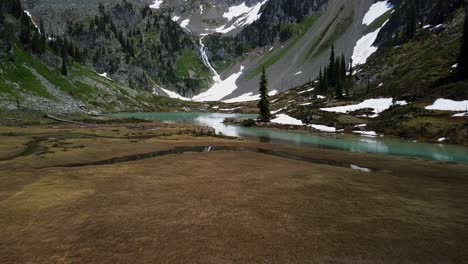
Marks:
<point>409,16</point>
<point>276,16</point>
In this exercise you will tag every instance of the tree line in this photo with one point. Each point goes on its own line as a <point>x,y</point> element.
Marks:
<point>336,78</point>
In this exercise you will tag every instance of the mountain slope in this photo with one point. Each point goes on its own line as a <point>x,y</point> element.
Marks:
<point>135,45</point>
<point>35,80</point>
<point>297,59</point>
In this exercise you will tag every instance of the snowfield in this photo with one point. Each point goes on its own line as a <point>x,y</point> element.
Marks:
<point>220,89</point>
<point>376,11</point>
<point>248,97</point>
<point>448,105</point>
<point>245,16</point>
<point>365,47</point>
<point>286,120</point>
<point>378,106</point>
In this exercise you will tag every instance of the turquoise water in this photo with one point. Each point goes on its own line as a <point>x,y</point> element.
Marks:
<point>395,147</point>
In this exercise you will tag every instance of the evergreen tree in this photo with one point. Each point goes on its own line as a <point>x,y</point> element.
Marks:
<point>332,67</point>
<point>2,17</point>
<point>411,21</point>
<point>264,103</point>
<point>16,8</point>
<point>339,78</point>
<point>43,37</point>
<point>36,42</point>
<point>463,57</point>
<point>64,70</point>
<point>25,34</point>
<point>320,80</point>
<point>325,79</point>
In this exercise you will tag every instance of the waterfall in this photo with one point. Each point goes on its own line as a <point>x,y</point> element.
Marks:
<point>206,61</point>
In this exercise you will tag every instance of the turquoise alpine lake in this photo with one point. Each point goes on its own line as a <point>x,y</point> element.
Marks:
<point>376,145</point>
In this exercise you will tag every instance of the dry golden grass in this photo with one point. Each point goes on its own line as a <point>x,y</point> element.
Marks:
<point>223,207</point>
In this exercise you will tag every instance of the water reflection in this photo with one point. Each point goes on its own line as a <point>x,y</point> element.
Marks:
<point>350,143</point>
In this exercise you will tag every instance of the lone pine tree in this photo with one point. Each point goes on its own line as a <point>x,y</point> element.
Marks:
<point>264,103</point>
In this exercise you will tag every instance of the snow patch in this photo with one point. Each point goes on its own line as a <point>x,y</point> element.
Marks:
<point>277,111</point>
<point>364,47</point>
<point>221,88</point>
<point>306,91</point>
<point>461,114</point>
<point>245,16</point>
<point>156,4</point>
<point>366,133</point>
<point>378,106</point>
<point>248,97</point>
<point>356,167</point>
<point>104,75</point>
<point>448,105</point>
<point>375,11</point>
<point>185,24</point>
<point>272,93</point>
<point>323,128</point>
<point>287,120</point>
<point>175,95</point>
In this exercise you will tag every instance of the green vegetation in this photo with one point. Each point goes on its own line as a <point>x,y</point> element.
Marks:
<point>189,65</point>
<point>297,31</point>
<point>410,71</point>
<point>16,70</point>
